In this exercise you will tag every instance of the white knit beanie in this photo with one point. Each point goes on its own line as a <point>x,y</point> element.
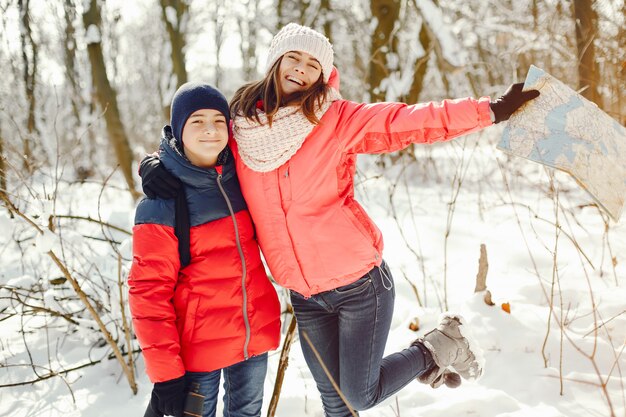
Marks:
<point>294,37</point>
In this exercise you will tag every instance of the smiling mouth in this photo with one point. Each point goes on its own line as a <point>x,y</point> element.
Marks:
<point>295,80</point>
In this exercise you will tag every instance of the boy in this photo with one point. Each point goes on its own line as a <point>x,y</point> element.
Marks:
<point>201,302</point>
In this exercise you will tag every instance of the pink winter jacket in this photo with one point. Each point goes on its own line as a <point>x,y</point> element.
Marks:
<point>314,235</point>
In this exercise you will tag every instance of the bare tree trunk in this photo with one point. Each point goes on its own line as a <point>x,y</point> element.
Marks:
<point>419,70</point>
<point>618,89</point>
<point>445,67</point>
<point>386,13</point>
<point>586,31</point>
<point>29,60</point>
<point>248,30</point>
<point>321,17</point>
<point>292,11</point>
<point>3,169</point>
<point>69,58</point>
<point>526,58</point>
<point>84,166</point>
<point>175,15</point>
<point>279,14</point>
<point>325,11</point>
<point>106,95</point>
<point>219,38</point>
<point>303,8</point>
<point>251,57</point>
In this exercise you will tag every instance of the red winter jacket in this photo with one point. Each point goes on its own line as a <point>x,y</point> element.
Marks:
<point>313,233</point>
<point>219,310</point>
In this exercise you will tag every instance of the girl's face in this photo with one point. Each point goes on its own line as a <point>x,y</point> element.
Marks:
<point>298,71</point>
<point>205,134</point>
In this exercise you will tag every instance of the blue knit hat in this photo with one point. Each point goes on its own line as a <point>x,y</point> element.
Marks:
<point>191,97</point>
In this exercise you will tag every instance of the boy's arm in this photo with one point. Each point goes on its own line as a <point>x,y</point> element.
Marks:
<point>388,127</point>
<point>151,281</point>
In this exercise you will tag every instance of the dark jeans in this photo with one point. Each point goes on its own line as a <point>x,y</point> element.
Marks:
<point>243,387</point>
<point>348,327</point>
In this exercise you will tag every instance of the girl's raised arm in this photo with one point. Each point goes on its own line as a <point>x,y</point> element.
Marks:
<point>388,127</point>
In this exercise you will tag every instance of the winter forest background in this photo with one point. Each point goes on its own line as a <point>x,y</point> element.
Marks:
<point>85,89</point>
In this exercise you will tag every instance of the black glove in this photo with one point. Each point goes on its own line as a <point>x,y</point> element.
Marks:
<point>510,101</point>
<point>156,181</point>
<point>447,377</point>
<point>168,397</point>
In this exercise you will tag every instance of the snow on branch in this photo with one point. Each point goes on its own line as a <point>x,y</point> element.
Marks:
<point>446,43</point>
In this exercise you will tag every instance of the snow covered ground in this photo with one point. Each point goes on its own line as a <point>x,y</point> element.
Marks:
<point>540,361</point>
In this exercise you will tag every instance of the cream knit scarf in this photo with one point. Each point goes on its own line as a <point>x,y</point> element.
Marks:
<point>264,149</point>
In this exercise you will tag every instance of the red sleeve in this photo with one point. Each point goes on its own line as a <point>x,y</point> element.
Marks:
<point>388,127</point>
<point>151,282</point>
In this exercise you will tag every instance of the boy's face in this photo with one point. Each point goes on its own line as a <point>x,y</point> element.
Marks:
<point>298,71</point>
<point>205,135</point>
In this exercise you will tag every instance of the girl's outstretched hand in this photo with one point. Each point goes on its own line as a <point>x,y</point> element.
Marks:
<point>504,106</point>
<point>156,181</point>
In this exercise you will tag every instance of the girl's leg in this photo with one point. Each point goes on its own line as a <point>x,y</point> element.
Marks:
<point>364,322</point>
<point>243,387</point>
<point>209,384</point>
<point>317,320</point>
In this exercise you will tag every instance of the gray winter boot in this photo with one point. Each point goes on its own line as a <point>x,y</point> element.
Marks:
<point>436,377</point>
<point>449,378</point>
<point>450,348</point>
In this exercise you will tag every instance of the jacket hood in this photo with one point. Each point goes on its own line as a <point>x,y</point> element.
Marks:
<point>333,81</point>
<point>177,164</point>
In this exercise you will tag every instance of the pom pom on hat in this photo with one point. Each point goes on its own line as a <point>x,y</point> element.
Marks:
<point>191,97</point>
<point>294,37</point>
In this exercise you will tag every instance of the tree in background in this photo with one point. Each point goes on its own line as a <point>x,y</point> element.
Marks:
<point>586,20</point>
<point>106,94</point>
<point>610,57</point>
<point>69,58</point>
<point>77,119</point>
<point>218,34</point>
<point>383,43</point>
<point>3,169</point>
<point>406,50</point>
<point>420,66</point>
<point>30,57</point>
<point>175,15</point>
<point>248,31</point>
<point>617,57</point>
<point>326,16</point>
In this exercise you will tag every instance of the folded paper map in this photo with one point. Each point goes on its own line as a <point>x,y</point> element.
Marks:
<point>563,130</point>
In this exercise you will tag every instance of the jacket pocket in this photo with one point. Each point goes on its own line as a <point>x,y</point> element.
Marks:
<point>190,319</point>
<point>360,220</point>
<point>357,286</point>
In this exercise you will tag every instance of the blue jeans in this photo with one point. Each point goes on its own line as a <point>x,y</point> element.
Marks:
<point>348,327</point>
<point>243,387</point>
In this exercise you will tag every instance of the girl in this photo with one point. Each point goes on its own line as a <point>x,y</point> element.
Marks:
<point>295,145</point>
<point>219,314</point>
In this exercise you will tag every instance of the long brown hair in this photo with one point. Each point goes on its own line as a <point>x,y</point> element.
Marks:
<point>268,89</point>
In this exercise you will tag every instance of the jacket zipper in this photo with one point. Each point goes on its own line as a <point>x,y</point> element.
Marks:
<point>243,266</point>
